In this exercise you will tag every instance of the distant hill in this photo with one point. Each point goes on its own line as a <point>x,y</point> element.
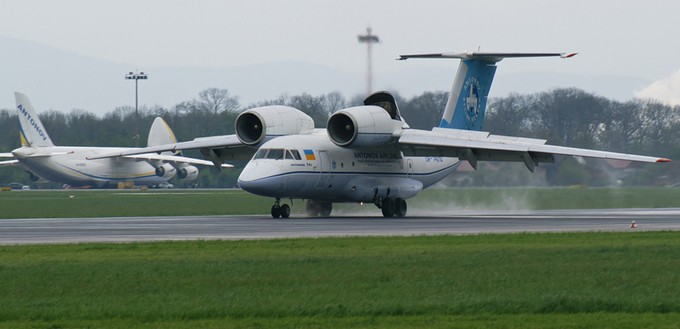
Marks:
<point>62,80</point>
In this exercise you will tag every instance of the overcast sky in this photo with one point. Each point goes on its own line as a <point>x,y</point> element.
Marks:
<point>627,38</point>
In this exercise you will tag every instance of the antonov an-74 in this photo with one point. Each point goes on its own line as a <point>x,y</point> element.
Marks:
<point>368,153</point>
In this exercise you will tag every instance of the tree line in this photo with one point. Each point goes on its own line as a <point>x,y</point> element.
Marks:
<point>566,116</point>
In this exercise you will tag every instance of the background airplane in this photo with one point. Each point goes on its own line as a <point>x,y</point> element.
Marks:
<point>68,164</point>
<point>368,153</point>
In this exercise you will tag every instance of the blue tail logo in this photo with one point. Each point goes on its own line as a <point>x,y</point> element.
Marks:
<point>472,100</point>
<point>467,100</point>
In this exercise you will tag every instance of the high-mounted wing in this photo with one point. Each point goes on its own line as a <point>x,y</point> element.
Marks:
<point>476,146</point>
<point>216,148</point>
<point>174,159</point>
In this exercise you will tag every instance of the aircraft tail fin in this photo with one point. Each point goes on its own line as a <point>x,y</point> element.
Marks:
<point>160,134</point>
<point>466,105</point>
<point>31,130</point>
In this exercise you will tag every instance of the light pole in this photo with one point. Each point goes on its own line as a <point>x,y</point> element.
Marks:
<point>369,39</point>
<point>136,76</point>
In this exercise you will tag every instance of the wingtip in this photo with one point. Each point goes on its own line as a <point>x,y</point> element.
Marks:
<point>568,55</point>
<point>663,160</point>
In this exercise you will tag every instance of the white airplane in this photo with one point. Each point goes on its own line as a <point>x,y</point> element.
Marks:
<point>368,153</point>
<point>68,164</point>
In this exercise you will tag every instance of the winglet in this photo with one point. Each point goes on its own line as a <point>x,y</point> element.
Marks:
<point>663,160</point>
<point>568,55</point>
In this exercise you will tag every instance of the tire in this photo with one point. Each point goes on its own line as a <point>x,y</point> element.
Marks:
<point>312,208</point>
<point>388,207</point>
<point>276,211</point>
<point>326,209</point>
<point>284,211</point>
<point>400,207</point>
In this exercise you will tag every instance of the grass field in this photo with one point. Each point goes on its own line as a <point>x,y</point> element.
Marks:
<point>80,203</point>
<point>574,280</point>
<point>589,280</point>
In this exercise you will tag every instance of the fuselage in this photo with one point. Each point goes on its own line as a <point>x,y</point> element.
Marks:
<point>69,165</point>
<point>312,167</point>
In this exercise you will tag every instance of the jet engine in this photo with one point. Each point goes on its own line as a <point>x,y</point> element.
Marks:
<point>189,173</point>
<point>255,126</point>
<point>362,126</point>
<point>165,170</point>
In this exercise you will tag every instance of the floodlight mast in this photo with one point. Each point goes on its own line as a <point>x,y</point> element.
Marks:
<point>136,76</point>
<point>369,39</point>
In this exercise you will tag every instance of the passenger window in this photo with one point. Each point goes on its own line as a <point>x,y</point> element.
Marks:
<point>296,154</point>
<point>275,154</point>
<point>260,154</point>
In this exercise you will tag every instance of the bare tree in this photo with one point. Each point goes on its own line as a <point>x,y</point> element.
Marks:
<point>217,100</point>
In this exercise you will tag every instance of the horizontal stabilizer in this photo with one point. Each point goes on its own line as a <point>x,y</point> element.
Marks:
<point>489,57</point>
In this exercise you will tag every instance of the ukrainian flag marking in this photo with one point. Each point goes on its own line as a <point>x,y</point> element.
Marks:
<point>309,155</point>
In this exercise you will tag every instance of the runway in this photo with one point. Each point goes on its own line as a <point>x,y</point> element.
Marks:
<point>127,229</point>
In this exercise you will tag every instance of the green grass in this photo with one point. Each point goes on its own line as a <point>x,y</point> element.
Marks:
<point>616,280</point>
<point>80,203</point>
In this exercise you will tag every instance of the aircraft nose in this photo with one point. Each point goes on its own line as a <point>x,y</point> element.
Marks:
<point>260,178</point>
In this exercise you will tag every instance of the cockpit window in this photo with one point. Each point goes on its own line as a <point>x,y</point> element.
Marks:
<point>293,154</point>
<point>275,154</point>
<point>260,154</point>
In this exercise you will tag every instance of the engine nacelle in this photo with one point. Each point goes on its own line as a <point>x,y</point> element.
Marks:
<point>257,125</point>
<point>188,173</point>
<point>166,170</point>
<point>362,126</point>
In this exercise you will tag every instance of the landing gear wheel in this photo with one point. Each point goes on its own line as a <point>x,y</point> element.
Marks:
<point>326,208</point>
<point>312,208</point>
<point>284,211</point>
<point>276,211</point>
<point>388,207</point>
<point>400,207</point>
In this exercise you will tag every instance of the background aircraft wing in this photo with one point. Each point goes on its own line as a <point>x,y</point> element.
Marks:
<point>215,148</point>
<point>476,146</point>
<point>173,159</point>
<point>8,162</point>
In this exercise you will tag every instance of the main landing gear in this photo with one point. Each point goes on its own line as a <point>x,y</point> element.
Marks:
<point>280,210</point>
<point>319,208</point>
<point>392,207</point>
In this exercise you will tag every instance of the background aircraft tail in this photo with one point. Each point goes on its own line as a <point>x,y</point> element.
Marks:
<point>161,134</point>
<point>31,130</point>
<point>466,106</point>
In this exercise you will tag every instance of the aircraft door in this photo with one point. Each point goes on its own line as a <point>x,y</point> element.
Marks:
<point>324,169</point>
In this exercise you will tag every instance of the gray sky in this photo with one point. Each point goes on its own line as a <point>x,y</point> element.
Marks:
<point>627,38</point>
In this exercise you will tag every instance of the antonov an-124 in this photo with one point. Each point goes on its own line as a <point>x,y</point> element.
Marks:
<point>45,161</point>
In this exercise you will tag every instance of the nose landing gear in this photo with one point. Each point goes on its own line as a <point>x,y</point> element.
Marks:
<point>280,210</point>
